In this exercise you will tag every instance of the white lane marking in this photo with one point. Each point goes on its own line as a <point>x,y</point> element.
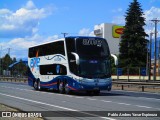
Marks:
<point>143,97</point>
<point>91,99</point>
<point>69,96</point>
<point>143,106</point>
<point>74,96</point>
<point>37,102</point>
<point>137,92</point>
<point>87,98</point>
<point>56,106</point>
<point>105,101</point>
<point>79,97</point>
<point>149,98</point>
<point>130,104</point>
<point>40,92</point>
<point>123,104</point>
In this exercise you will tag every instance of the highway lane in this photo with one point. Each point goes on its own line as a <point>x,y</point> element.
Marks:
<point>26,98</point>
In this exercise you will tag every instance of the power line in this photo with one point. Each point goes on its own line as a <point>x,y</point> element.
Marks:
<point>155,49</point>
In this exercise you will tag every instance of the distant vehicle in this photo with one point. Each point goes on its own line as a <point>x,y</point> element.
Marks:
<point>71,64</point>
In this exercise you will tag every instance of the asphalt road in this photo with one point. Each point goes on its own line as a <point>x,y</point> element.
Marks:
<point>25,98</point>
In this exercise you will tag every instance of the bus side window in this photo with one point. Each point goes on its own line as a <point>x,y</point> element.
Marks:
<point>72,64</point>
<point>53,69</point>
<point>63,70</point>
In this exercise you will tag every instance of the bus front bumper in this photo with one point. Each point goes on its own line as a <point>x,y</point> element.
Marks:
<point>95,84</point>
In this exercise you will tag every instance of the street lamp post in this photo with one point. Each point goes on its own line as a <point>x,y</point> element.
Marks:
<point>150,56</point>
<point>155,49</point>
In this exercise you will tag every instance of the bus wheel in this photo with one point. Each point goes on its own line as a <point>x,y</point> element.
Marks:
<point>35,85</point>
<point>38,85</point>
<point>67,90</point>
<point>61,88</point>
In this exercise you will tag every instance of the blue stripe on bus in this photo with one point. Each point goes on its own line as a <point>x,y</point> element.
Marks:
<point>72,84</point>
<point>53,83</point>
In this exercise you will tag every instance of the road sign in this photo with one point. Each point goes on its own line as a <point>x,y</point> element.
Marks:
<point>119,71</point>
<point>143,71</point>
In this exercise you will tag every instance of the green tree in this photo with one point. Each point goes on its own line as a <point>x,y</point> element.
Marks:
<point>6,61</point>
<point>14,60</point>
<point>17,69</point>
<point>133,45</point>
<point>20,68</point>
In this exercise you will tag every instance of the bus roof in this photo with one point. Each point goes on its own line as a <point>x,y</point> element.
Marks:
<point>61,39</point>
<point>83,37</point>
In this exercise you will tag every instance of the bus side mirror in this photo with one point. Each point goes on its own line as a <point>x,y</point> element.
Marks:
<point>115,59</point>
<point>77,57</point>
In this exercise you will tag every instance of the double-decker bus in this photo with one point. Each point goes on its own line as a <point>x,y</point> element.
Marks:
<point>71,64</point>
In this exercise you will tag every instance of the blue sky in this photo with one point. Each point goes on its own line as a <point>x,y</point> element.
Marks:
<point>28,22</point>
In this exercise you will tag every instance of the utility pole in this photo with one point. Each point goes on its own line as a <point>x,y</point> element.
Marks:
<point>9,49</point>
<point>64,34</point>
<point>1,62</point>
<point>150,56</point>
<point>159,60</point>
<point>155,49</point>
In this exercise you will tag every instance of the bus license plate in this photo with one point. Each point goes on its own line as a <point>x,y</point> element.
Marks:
<point>96,88</point>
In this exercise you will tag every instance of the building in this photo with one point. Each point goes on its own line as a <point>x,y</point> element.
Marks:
<point>112,33</point>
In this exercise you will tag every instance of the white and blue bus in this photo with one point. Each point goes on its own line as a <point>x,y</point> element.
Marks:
<point>71,64</point>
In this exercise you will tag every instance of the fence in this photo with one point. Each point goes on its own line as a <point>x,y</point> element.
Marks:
<point>13,79</point>
<point>133,73</point>
<point>142,85</point>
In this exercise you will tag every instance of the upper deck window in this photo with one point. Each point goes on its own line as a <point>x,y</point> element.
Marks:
<point>47,49</point>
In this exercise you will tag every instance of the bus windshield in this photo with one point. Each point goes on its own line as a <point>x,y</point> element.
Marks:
<point>92,47</point>
<point>94,68</point>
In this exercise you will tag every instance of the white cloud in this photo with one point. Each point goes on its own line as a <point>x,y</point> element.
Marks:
<point>19,46</point>
<point>153,1</point>
<point>23,22</point>
<point>118,20</point>
<point>117,10</point>
<point>51,38</point>
<point>5,12</point>
<point>30,5</point>
<point>86,32</point>
<point>152,13</point>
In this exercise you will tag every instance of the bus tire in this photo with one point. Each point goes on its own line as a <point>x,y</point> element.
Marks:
<point>35,85</point>
<point>67,90</point>
<point>38,85</point>
<point>61,87</point>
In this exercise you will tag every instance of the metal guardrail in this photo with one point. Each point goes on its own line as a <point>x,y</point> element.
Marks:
<point>13,79</point>
<point>141,84</point>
